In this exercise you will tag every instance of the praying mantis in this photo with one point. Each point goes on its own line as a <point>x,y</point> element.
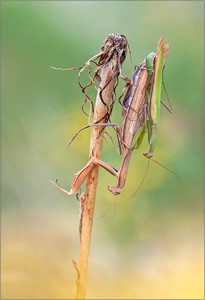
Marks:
<point>140,115</point>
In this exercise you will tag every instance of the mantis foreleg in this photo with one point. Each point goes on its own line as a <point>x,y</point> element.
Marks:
<point>82,175</point>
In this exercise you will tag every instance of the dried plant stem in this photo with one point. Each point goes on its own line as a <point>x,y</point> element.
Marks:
<point>96,142</point>
<point>108,68</point>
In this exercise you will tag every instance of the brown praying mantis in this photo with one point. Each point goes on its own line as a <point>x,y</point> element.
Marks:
<point>140,114</point>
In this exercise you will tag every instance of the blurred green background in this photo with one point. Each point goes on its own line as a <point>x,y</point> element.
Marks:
<point>148,247</point>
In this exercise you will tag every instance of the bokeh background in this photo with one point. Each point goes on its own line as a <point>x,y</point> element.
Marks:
<point>150,246</point>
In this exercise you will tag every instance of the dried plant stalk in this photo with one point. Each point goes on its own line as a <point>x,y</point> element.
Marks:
<point>116,45</point>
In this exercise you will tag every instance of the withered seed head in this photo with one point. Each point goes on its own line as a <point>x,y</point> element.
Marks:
<point>115,44</point>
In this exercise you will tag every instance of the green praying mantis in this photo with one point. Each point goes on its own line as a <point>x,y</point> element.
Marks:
<point>140,115</point>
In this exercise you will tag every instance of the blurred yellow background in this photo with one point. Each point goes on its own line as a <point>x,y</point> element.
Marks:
<point>152,246</point>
